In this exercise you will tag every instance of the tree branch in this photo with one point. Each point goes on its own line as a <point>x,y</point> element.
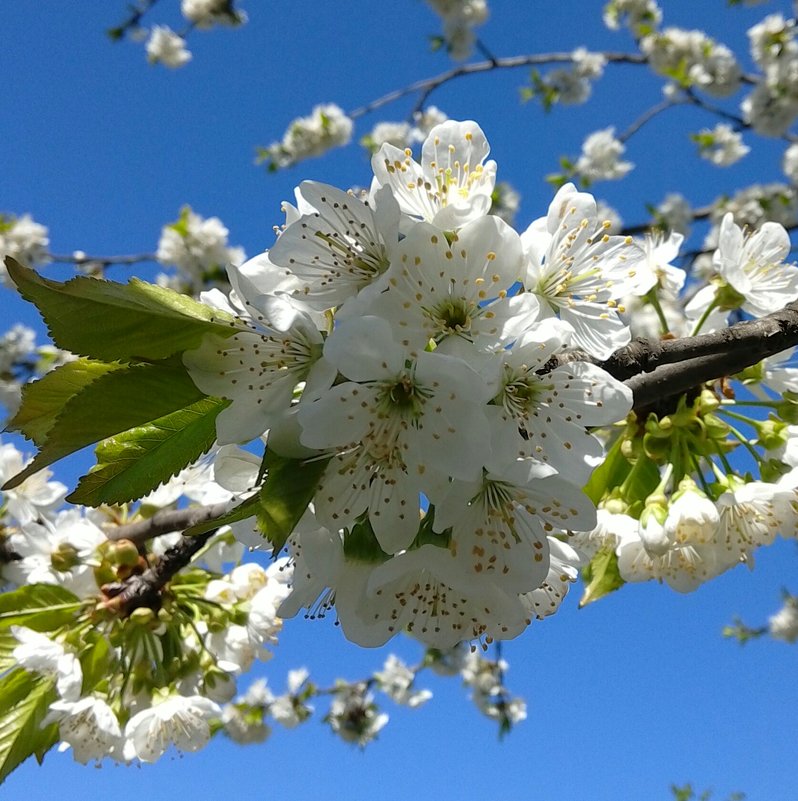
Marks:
<point>429,85</point>
<point>104,261</point>
<point>145,590</point>
<point>654,370</point>
<point>166,521</point>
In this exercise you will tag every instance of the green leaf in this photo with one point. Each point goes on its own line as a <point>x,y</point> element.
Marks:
<point>41,607</point>
<point>609,474</point>
<point>601,576</point>
<point>43,400</point>
<point>95,662</point>
<point>24,701</point>
<point>119,322</point>
<point>8,642</point>
<point>289,487</point>
<point>112,403</point>
<point>137,461</point>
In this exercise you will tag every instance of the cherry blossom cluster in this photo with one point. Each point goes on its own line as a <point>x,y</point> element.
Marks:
<point>700,516</point>
<point>24,239</point>
<point>459,18</point>
<point>198,247</point>
<point>165,46</point>
<point>220,613</point>
<point>213,624</point>
<point>411,339</point>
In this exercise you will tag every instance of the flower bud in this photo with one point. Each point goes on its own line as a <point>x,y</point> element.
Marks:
<point>64,557</point>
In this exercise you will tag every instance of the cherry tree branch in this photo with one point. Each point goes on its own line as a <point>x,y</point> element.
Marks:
<point>428,85</point>
<point>165,522</point>
<point>654,369</point>
<point>647,116</point>
<point>144,590</point>
<point>133,20</point>
<point>104,261</point>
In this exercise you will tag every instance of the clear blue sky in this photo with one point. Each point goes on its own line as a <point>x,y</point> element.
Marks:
<point>624,697</point>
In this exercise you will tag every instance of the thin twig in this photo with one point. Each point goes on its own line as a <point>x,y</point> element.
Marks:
<point>105,261</point>
<point>428,85</point>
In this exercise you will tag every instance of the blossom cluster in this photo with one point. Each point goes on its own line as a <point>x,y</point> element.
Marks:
<point>411,340</point>
<point>169,667</point>
<point>198,247</point>
<point>459,18</point>
<point>326,127</point>
<point>24,239</point>
<point>428,355</point>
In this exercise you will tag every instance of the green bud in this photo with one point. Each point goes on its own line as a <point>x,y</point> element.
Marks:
<point>715,428</point>
<point>65,557</point>
<point>707,402</point>
<point>123,553</point>
<point>771,433</point>
<point>728,298</point>
<point>143,616</point>
<point>616,506</point>
<point>787,409</point>
<point>628,449</point>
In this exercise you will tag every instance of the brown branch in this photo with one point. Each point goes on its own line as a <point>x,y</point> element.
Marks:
<point>145,590</point>
<point>166,521</point>
<point>654,370</point>
<point>104,261</point>
<point>429,85</point>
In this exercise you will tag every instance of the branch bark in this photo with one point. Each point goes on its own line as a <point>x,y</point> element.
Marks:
<point>654,369</point>
<point>144,590</point>
<point>165,522</point>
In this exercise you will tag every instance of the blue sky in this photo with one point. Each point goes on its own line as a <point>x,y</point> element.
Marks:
<point>624,697</point>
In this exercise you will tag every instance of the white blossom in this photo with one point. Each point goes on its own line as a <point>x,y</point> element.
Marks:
<point>641,16</point>
<point>39,653</point>
<point>23,239</point>
<point>326,127</point>
<point>693,59</point>
<point>176,720</point>
<point>460,17</point>
<point>580,272</point>
<point>600,159</point>
<point>453,183</point>
<point>721,145</point>
<point>59,551</point>
<point>396,680</point>
<point>337,246</point>
<point>753,266</point>
<point>784,624</point>
<point>89,726</point>
<point>354,716</point>
<point>165,47</point>
<point>573,84</point>
<point>655,270</point>
<point>197,246</point>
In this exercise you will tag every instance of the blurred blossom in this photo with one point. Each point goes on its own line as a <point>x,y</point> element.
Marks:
<point>165,47</point>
